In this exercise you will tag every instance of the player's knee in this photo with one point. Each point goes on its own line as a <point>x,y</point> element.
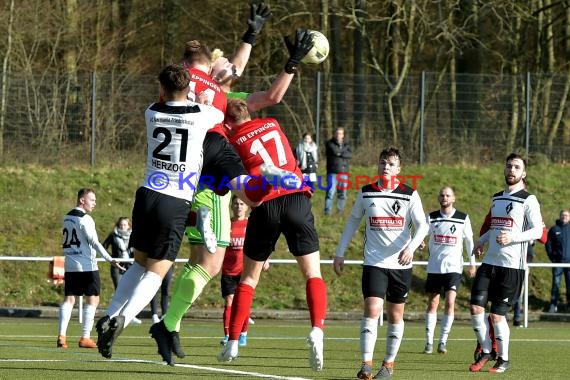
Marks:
<point>479,298</point>
<point>501,309</point>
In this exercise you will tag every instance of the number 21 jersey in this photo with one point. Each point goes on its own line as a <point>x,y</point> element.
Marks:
<point>175,134</point>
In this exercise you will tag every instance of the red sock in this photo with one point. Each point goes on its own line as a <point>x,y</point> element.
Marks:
<point>256,188</point>
<point>227,315</point>
<point>243,299</point>
<point>245,325</point>
<point>317,301</point>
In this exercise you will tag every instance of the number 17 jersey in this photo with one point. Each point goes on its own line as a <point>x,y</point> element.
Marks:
<point>262,141</point>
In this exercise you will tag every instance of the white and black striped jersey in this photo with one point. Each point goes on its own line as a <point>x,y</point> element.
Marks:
<point>175,134</point>
<point>446,237</point>
<point>80,242</point>
<point>518,213</point>
<point>390,216</point>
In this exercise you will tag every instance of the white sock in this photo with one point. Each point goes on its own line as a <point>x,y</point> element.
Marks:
<point>65,310</point>
<point>394,335</point>
<point>431,321</point>
<point>368,335</point>
<point>125,289</point>
<point>446,323</point>
<point>481,327</point>
<point>88,320</point>
<point>502,335</point>
<point>142,294</point>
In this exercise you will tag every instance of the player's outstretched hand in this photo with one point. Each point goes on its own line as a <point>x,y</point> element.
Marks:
<point>298,49</point>
<point>258,15</point>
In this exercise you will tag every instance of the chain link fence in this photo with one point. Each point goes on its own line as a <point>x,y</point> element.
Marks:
<point>433,117</point>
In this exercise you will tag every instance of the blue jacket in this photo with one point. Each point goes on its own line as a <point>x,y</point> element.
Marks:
<point>558,243</point>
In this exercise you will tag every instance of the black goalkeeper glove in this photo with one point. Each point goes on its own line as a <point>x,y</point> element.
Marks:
<point>259,13</point>
<point>298,50</point>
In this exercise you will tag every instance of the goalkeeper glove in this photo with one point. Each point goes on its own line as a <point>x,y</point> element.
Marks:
<point>259,13</point>
<point>298,50</point>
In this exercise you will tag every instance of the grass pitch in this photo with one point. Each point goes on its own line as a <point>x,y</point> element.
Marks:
<point>276,350</point>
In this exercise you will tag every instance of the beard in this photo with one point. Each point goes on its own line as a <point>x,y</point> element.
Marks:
<point>512,180</point>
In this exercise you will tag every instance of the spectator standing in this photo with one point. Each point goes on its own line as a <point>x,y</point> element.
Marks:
<point>338,154</point>
<point>307,154</point>
<point>80,242</point>
<point>118,239</point>
<point>558,250</point>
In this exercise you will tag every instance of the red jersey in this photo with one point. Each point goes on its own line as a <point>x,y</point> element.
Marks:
<point>233,260</point>
<point>262,141</point>
<point>200,82</point>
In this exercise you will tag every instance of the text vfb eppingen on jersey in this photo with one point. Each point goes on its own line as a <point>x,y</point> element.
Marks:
<point>160,180</point>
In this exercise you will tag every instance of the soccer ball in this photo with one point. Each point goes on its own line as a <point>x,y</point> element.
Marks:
<point>320,50</point>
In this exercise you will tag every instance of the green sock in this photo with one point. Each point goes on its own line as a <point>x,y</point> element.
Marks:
<point>185,270</point>
<point>188,287</point>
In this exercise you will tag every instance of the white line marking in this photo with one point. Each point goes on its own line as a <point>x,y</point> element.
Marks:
<point>201,368</point>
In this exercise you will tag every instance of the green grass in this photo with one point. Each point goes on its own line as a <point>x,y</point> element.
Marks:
<point>276,349</point>
<point>33,200</point>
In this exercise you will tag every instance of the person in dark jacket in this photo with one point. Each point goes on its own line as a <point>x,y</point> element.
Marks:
<point>338,154</point>
<point>558,250</point>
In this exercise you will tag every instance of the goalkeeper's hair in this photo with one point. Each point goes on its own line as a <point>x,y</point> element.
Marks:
<point>196,52</point>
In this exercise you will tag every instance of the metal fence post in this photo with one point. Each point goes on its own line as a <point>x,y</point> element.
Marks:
<point>318,108</point>
<point>527,140</point>
<point>422,110</point>
<point>93,113</point>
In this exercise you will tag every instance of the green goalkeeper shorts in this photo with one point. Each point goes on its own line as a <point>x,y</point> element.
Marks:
<point>220,217</point>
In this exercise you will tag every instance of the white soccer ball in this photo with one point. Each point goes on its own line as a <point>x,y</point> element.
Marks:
<point>320,50</point>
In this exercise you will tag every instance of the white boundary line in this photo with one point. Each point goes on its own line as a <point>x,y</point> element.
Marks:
<point>201,368</point>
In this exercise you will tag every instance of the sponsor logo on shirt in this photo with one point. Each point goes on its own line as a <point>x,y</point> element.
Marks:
<point>387,222</point>
<point>445,239</point>
<point>501,222</point>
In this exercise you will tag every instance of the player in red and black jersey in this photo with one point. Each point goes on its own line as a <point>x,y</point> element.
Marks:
<point>287,211</point>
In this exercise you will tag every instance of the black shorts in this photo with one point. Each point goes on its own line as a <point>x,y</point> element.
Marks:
<point>446,281</point>
<point>229,284</point>
<point>499,285</point>
<point>394,284</point>
<point>82,283</point>
<point>289,214</point>
<point>159,222</point>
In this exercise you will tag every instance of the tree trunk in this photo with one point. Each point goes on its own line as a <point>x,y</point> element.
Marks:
<point>338,98</point>
<point>548,42</point>
<point>469,62</point>
<point>402,72</point>
<point>5,68</point>
<point>515,105</point>
<point>359,85</point>
<point>326,89</point>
